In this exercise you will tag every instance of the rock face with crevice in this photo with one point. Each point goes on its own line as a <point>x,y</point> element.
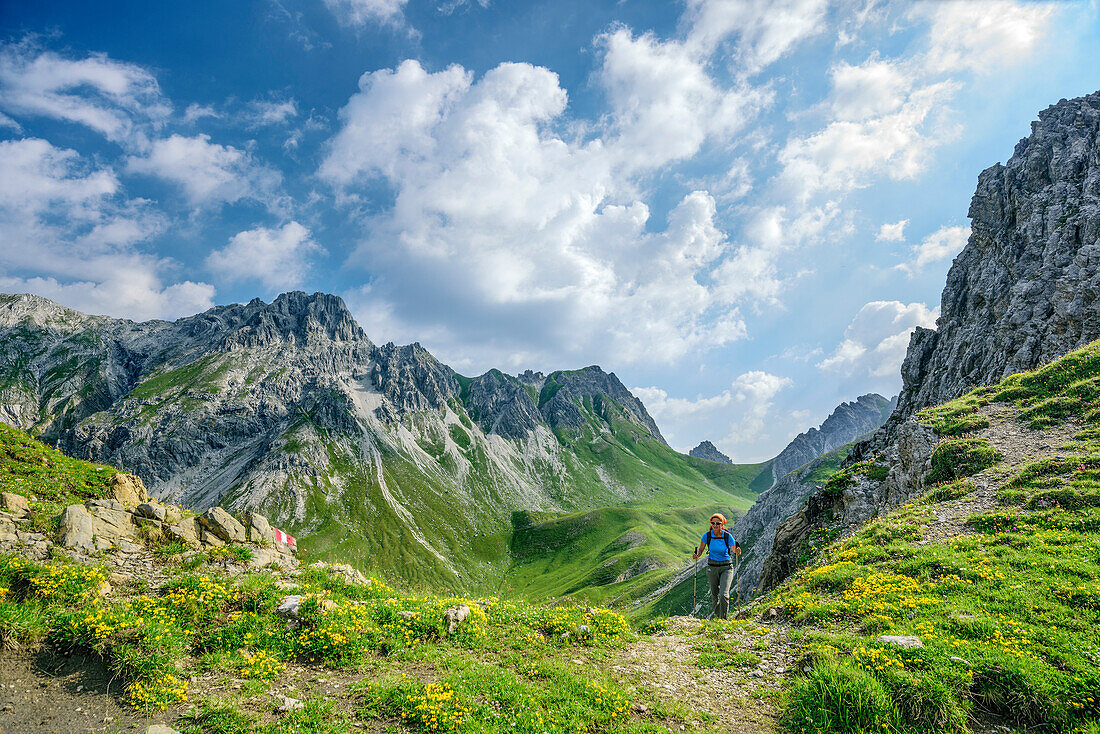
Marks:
<point>1024,289</point>
<point>1021,293</point>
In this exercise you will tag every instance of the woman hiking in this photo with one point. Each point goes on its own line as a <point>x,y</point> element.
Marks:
<point>718,544</point>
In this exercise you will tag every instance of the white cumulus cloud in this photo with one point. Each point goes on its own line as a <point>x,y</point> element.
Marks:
<point>876,339</point>
<point>501,220</point>
<point>116,99</point>
<point>764,30</point>
<point>984,36</point>
<point>207,172</point>
<point>664,102</point>
<point>278,258</point>
<point>272,112</point>
<point>892,232</point>
<point>872,89</point>
<point>944,243</point>
<point>70,234</point>
<point>848,154</point>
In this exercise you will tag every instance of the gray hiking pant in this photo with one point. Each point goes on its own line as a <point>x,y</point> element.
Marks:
<point>720,578</point>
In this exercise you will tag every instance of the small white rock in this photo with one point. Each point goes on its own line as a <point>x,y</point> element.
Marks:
<point>907,641</point>
<point>286,704</point>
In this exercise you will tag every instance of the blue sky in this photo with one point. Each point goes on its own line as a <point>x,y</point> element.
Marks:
<point>740,207</point>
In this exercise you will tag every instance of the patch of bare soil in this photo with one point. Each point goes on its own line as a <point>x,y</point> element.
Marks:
<point>1018,444</point>
<point>52,693</point>
<point>297,682</point>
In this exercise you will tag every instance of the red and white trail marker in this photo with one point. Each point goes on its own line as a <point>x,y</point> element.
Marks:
<point>285,538</point>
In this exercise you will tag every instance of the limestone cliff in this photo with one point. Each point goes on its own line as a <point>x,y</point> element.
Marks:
<point>1021,293</point>
<point>1024,289</point>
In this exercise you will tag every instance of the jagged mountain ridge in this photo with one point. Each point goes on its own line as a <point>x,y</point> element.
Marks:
<point>290,409</point>
<point>847,422</point>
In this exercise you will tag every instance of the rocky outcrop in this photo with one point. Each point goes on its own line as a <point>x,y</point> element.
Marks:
<point>1024,289</point>
<point>908,460</point>
<point>845,424</point>
<point>15,505</point>
<point>707,450</point>
<point>128,489</point>
<point>100,525</point>
<point>222,525</point>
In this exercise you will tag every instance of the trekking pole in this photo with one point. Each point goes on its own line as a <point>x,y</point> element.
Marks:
<point>694,578</point>
<point>736,572</point>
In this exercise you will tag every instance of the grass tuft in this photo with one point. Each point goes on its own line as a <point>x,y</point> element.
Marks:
<point>956,458</point>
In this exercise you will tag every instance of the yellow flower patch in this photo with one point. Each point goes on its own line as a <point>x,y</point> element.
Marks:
<point>434,708</point>
<point>260,665</point>
<point>159,693</point>
<point>886,594</point>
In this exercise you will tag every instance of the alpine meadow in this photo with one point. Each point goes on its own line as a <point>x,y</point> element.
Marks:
<point>470,367</point>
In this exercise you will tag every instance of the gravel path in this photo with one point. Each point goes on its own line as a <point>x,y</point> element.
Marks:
<point>733,699</point>
<point>1018,444</point>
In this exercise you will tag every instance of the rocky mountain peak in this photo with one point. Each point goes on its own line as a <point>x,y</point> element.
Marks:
<point>707,450</point>
<point>29,309</point>
<point>412,378</point>
<point>294,317</point>
<point>1024,289</point>
<point>561,391</point>
<point>502,405</point>
<point>528,377</point>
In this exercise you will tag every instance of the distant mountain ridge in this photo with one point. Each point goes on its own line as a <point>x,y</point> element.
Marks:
<point>846,423</point>
<point>707,450</point>
<point>288,408</point>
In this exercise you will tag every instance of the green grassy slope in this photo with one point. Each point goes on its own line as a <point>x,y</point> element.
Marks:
<point>48,478</point>
<point>1008,612</point>
<point>620,553</point>
<point>209,647</point>
<point>465,512</point>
